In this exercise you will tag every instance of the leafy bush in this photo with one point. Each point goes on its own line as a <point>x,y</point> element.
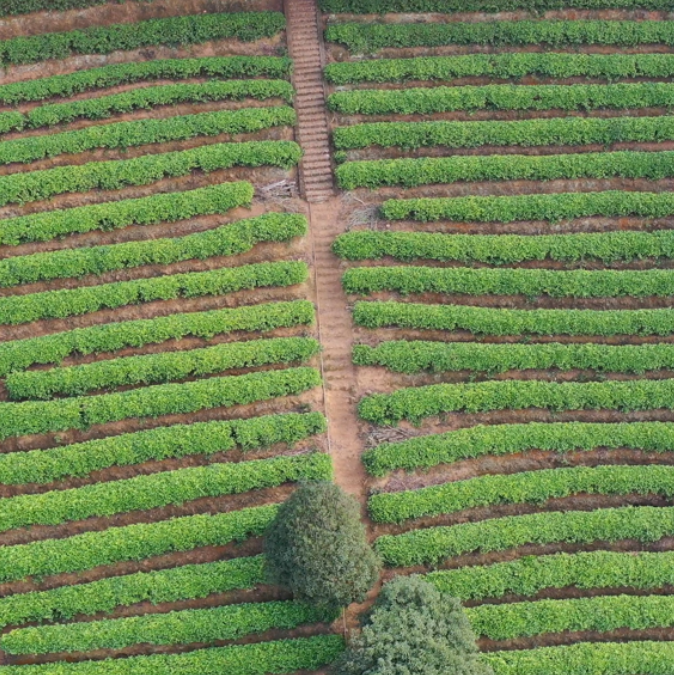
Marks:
<point>132,542</point>
<point>229,622</point>
<point>507,249</point>
<point>429,100</point>
<point>231,239</point>
<point>423,452</point>
<point>371,37</point>
<point>172,32</point>
<point>602,614</point>
<point>27,6</point>
<point>585,570</point>
<point>103,596</point>
<point>180,440</point>
<point>562,131</point>
<point>20,188</point>
<point>145,132</point>
<point>159,208</point>
<point>499,66</point>
<point>551,207</point>
<point>509,281</point>
<point>145,492</point>
<point>52,349</point>
<point>224,67</point>
<point>413,628</point>
<point>16,309</point>
<point>139,99</point>
<point>493,321</point>
<point>415,403</point>
<point>527,487</point>
<point>409,172</point>
<point>317,547</point>
<point>32,417</point>
<point>432,545</point>
<point>162,367</point>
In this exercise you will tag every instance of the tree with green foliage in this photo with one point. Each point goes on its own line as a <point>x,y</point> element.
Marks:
<point>413,629</point>
<point>317,547</point>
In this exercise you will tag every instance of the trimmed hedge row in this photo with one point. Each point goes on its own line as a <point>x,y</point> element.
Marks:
<point>145,492</point>
<point>499,66</point>
<point>27,6</point>
<point>571,131</point>
<point>16,309</point>
<point>506,249</point>
<point>371,37</point>
<point>181,440</point>
<point>144,98</point>
<point>227,240</point>
<point>411,6</point>
<point>432,545</point>
<point>495,321</point>
<point>607,658</point>
<point>229,622</point>
<point>156,368</point>
<point>261,658</point>
<point>151,210</point>
<point>429,100</point>
<point>424,452</point>
<point>52,349</point>
<point>509,281</point>
<point>586,570</point>
<point>33,417</point>
<point>20,188</point>
<point>416,403</point>
<point>167,585</point>
<point>602,614</point>
<point>224,67</point>
<point>172,32</point>
<point>527,487</point>
<point>132,542</point>
<point>551,207</point>
<point>410,172</point>
<point>414,356</point>
<point>123,135</point>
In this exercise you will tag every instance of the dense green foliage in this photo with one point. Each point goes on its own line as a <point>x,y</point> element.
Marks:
<point>103,596</point>
<point>586,570</point>
<point>20,188</point>
<point>432,545</point>
<point>131,542</point>
<point>428,100</point>
<point>229,622</point>
<point>509,281</point>
<point>145,492</point>
<point>156,368</point>
<point>174,31</point>
<point>102,107</point>
<point>423,452</point>
<point>317,547</point>
<point>412,628</point>
<point>27,6</point>
<point>180,440</point>
<point>281,656</point>
<point>499,66</point>
<point>371,37</point>
<point>551,207</point>
<point>224,67</point>
<point>81,412</point>
<point>16,309</point>
<point>526,487</point>
<point>492,321</point>
<point>557,131</point>
<point>415,403</point>
<point>158,208</point>
<point>409,172</point>
<point>507,249</point>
